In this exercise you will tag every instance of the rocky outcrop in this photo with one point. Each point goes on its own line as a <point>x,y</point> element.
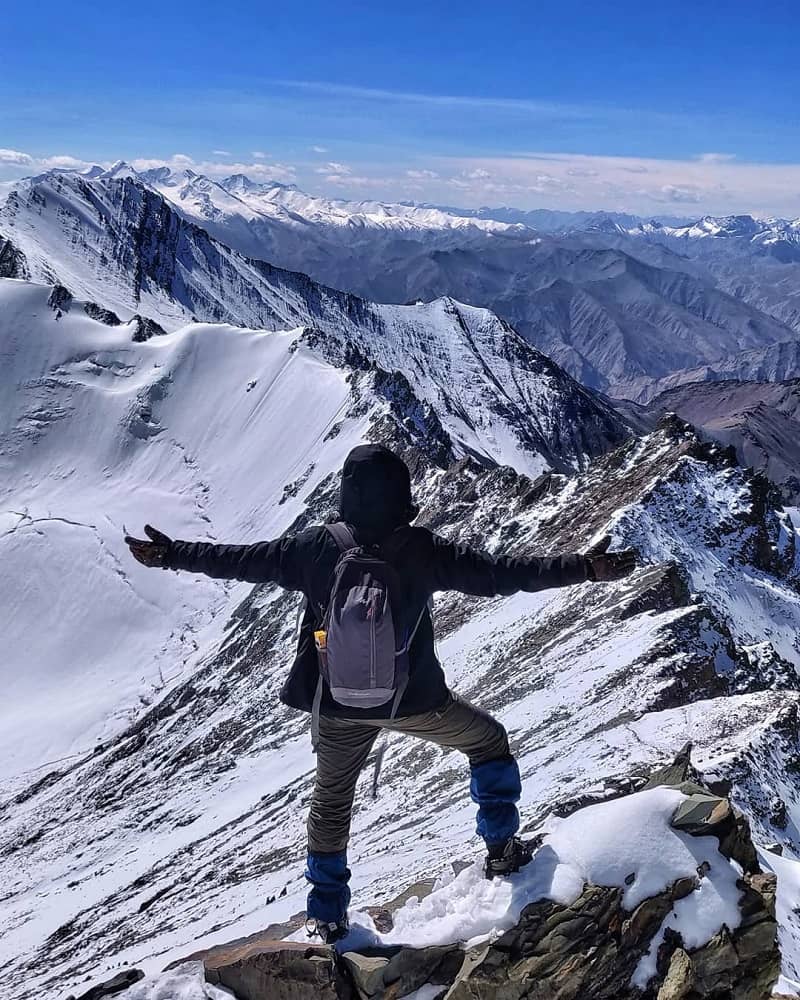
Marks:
<point>144,329</point>
<point>60,299</point>
<point>278,970</point>
<point>587,950</point>
<point>101,314</point>
<point>591,948</point>
<point>12,260</point>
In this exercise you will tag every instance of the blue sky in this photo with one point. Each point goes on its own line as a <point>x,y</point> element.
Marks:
<point>623,105</point>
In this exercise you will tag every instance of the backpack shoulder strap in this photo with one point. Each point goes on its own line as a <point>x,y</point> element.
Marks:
<point>342,535</point>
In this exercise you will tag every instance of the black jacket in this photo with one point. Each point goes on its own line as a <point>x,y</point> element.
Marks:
<point>425,563</point>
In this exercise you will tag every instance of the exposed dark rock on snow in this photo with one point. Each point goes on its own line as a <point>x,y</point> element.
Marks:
<point>12,260</point>
<point>142,256</point>
<point>693,651</point>
<point>101,314</point>
<point>111,987</point>
<point>60,299</point>
<point>610,299</point>
<point>144,329</point>
<point>595,683</point>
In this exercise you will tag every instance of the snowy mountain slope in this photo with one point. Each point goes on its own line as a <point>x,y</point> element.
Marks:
<point>97,428</point>
<point>174,833</point>
<point>209,428</point>
<point>115,242</point>
<point>779,238</point>
<point>178,808</point>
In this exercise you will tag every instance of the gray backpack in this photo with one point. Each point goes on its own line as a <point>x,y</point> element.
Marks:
<point>364,638</point>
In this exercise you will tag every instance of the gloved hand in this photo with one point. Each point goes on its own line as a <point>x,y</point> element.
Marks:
<point>152,553</point>
<point>603,566</point>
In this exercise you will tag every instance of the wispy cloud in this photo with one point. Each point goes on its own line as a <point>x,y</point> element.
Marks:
<point>518,107</point>
<point>439,100</point>
<point>258,155</point>
<point>220,152</point>
<point>318,149</point>
<point>716,157</point>
<point>340,169</point>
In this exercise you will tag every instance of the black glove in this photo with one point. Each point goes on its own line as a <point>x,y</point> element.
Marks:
<point>602,566</point>
<point>152,553</point>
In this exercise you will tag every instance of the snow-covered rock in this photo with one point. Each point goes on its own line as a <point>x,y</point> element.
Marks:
<point>621,897</point>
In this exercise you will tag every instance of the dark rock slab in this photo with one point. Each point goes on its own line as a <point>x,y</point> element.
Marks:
<point>101,314</point>
<point>260,969</point>
<point>60,299</point>
<point>112,987</point>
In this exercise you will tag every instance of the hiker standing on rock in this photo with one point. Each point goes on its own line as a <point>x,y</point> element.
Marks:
<point>366,660</point>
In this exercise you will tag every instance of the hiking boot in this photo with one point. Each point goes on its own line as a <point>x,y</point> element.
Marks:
<point>329,933</point>
<point>505,859</point>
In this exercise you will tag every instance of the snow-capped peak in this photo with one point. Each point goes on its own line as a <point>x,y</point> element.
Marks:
<point>117,171</point>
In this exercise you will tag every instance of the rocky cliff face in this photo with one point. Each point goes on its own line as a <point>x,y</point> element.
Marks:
<point>758,419</point>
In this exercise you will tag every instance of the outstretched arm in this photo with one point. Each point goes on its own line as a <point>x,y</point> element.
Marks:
<point>263,562</point>
<point>459,567</point>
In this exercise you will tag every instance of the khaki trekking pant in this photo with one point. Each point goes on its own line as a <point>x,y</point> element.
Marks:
<point>344,745</point>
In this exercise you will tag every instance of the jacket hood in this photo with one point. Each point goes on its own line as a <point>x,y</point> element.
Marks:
<point>376,492</point>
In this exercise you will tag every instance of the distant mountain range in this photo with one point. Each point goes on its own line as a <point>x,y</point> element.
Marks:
<point>626,306</point>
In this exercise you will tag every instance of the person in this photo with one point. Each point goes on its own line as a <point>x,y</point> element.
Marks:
<point>377,508</point>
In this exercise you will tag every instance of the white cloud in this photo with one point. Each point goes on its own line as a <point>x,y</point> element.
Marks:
<point>259,155</point>
<point>669,192</point>
<point>341,169</point>
<point>283,172</point>
<point>385,185</point>
<point>422,175</point>
<point>13,157</point>
<point>318,149</point>
<point>220,152</point>
<point>63,163</point>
